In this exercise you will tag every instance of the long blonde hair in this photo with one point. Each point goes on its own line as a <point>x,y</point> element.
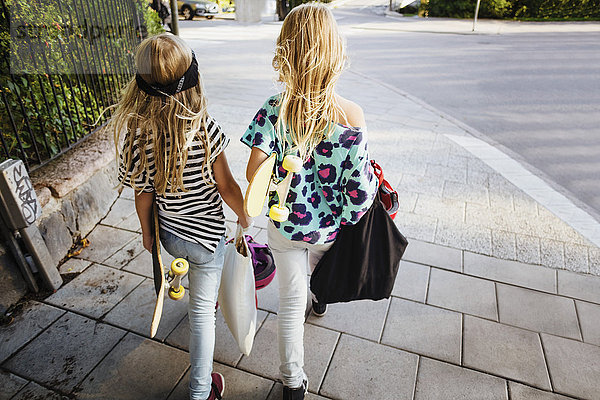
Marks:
<point>168,123</point>
<point>309,57</point>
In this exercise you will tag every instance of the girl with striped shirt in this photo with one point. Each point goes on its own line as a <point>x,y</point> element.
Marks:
<point>172,154</point>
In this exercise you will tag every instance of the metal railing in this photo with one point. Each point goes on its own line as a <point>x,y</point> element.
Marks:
<point>62,62</point>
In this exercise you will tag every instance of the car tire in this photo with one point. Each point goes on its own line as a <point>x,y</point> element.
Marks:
<point>209,16</point>
<point>187,12</point>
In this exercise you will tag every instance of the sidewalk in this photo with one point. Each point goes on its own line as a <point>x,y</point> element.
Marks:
<point>488,303</point>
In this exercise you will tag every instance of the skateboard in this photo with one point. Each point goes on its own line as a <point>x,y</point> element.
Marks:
<point>171,279</point>
<point>262,183</point>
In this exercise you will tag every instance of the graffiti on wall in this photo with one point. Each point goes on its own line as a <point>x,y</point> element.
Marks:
<point>25,194</point>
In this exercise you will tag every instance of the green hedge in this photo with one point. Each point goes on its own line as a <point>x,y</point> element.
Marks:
<point>466,8</point>
<point>557,9</point>
<point>519,9</point>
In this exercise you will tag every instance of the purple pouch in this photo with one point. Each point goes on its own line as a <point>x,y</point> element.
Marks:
<point>262,260</point>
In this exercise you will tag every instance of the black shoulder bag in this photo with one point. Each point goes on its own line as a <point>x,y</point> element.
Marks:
<point>363,261</point>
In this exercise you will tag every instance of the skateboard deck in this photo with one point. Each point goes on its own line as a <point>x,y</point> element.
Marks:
<point>158,270</point>
<point>179,267</point>
<point>258,188</point>
<point>261,184</point>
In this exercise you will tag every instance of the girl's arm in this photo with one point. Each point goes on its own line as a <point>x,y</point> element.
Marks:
<point>257,156</point>
<point>229,189</point>
<point>143,206</point>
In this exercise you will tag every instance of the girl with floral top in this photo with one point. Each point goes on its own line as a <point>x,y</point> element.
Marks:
<point>335,185</point>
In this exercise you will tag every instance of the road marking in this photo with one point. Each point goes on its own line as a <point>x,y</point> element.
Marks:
<point>511,170</point>
<point>532,185</point>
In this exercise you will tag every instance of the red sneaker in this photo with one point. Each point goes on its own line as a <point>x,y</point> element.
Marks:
<point>218,386</point>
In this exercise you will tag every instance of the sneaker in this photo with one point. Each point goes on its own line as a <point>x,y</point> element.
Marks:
<point>297,393</point>
<point>217,386</point>
<point>319,309</point>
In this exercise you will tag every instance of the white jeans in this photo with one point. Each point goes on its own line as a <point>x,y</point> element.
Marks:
<point>292,259</point>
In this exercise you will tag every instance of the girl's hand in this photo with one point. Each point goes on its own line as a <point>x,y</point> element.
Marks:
<point>148,241</point>
<point>245,221</point>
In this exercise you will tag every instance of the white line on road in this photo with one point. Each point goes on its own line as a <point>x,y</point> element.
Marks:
<point>532,185</point>
<point>513,171</point>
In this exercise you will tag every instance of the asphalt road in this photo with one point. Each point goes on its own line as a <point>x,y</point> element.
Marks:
<point>538,94</point>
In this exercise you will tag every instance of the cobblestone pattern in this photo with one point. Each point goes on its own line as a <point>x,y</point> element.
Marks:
<point>506,337</point>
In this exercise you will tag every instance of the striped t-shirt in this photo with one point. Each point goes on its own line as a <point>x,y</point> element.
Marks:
<point>196,215</point>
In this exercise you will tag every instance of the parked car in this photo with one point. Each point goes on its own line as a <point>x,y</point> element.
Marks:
<point>204,8</point>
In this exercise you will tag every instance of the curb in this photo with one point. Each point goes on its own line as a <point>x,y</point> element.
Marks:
<point>517,171</point>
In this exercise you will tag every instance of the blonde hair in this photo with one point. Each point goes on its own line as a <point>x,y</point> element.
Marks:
<point>174,120</point>
<point>309,57</point>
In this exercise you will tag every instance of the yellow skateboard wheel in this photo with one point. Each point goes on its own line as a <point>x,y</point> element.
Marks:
<point>279,214</point>
<point>292,163</point>
<point>180,266</point>
<point>175,294</point>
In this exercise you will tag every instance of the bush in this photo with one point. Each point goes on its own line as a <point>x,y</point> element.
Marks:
<point>466,8</point>
<point>494,9</point>
<point>52,98</point>
<point>557,9</point>
<point>153,21</point>
<point>520,9</point>
<point>450,8</point>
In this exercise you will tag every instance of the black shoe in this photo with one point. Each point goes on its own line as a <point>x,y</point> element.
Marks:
<point>319,309</point>
<point>297,393</point>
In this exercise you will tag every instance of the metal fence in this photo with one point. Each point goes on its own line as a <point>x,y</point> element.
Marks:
<point>62,62</point>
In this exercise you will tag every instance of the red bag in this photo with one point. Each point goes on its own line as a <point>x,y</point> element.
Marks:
<point>387,194</point>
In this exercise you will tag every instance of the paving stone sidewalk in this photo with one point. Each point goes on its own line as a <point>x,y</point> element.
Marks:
<point>458,325</point>
<point>476,312</point>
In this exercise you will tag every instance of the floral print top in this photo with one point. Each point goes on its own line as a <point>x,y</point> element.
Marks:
<point>335,186</point>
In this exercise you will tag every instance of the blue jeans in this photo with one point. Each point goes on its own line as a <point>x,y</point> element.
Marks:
<point>205,278</point>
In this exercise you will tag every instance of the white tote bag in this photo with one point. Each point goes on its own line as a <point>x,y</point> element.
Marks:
<point>237,292</point>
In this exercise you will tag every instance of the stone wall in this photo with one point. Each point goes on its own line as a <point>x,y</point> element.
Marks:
<point>75,192</point>
<point>77,213</point>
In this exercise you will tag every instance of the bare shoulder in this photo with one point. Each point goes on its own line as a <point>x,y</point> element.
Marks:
<point>354,112</point>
